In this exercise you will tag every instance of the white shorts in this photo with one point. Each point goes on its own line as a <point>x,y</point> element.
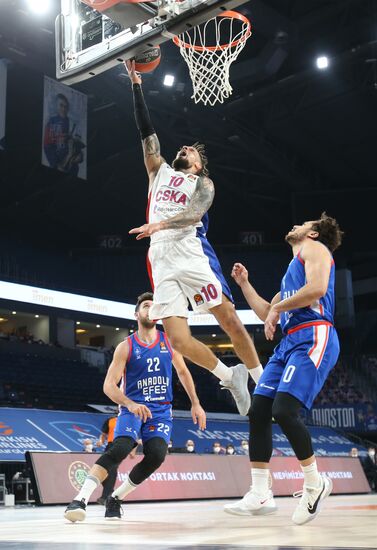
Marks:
<point>181,272</point>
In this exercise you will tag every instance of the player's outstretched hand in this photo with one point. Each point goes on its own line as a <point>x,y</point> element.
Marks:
<point>140,410</point>
<point>240,274</point>
<point>199,416</point>
<point>145,230</point>
<point>270,324</point>
<point>134,76</point>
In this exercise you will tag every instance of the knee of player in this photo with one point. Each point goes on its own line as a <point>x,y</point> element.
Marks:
<point>158,459</point>
<point>120,449</point>
<point>155,451</point>
<point>260,410</point>
<point>280,414</point>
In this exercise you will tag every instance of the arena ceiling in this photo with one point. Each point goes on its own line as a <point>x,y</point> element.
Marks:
<point>292,140</point>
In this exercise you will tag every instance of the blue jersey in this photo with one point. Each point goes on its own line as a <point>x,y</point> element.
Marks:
<point>322,310</point>
<point>148,372</point>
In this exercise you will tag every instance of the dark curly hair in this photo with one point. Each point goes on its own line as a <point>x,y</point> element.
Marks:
<point>143,298</point>
<point>329,232</point>
<point>203,158</point>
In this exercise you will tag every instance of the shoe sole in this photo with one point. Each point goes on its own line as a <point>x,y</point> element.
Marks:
<point>243,412</point>
<point>75,515</point>
<point>324,496</point>
<point>113,519</point>
<point>266,510</point>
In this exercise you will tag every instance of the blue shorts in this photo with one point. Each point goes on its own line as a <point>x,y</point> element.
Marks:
<point>301,363</point>
<point>160,425</point>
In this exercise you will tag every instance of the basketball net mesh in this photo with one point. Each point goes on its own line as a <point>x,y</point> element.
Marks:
<point>209,65</point>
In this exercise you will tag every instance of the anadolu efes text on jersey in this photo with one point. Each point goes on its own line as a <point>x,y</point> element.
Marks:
<point>148,372</point>
<point>321,310</point>
<point>170,194</point>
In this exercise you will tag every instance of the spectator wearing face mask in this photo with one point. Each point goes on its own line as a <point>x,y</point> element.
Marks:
<point>244,449</point>
<point>216,449</point>
<point>372,455</point>
<point>170,447</point>
<point>354,452</point>
<point>230,450</point>
<point>190,446</point>
<point>87,446</point>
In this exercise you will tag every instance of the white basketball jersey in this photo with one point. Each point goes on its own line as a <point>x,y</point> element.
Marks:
<point>170,194</point>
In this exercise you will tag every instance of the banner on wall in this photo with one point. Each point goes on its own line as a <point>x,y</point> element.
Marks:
<point>24,430</point>
<point>64,129</point>
<point>361,418</point>
<point>57,478</point>
<point>3,100</point>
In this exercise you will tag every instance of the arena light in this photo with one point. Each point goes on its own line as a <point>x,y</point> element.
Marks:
<point>168,80</point>
<point>97,306</point>
<point>39,6</point>
<point>117,328</point>
<point>322,62</point>
<point>36,316</point>
<point>14,312</point>
<point>98,326</point>
<point>78,323</point>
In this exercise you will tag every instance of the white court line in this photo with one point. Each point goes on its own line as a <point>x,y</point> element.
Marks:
<point>48,435</point>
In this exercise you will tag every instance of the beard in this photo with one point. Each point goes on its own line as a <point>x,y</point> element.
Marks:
<point>147,323</point>
<point>181,163</point>
<point>291,239</point>
<point>295,238</point>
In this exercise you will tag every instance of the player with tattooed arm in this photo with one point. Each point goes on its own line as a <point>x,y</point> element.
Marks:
<point>183,264</point>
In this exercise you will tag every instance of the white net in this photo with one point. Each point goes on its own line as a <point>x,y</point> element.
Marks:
<point>209,50</point>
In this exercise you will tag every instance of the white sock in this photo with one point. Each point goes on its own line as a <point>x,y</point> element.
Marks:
<point>256,373</point>
<point>260,480</point>
<point>90,485</point>
<point>123,490</point>
<point>223,372</point>
<point>311,475</point>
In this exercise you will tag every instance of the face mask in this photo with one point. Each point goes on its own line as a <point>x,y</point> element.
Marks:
<point>216,450</point>
<point>190,448</point>
<point>372,452</point>
<point>230,451</point>
<point>89,448</point>
<point>245,446</point>
<point>170,446</point>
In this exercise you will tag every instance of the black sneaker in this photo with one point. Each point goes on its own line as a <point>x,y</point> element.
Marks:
<point>76,511</point>
<point>113,508</point>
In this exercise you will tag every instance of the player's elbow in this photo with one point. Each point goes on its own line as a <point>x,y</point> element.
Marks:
<point>318,291</point>
<point>107,388</point>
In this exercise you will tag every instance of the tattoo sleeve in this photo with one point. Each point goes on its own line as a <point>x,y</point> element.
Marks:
<point>151,147</point>
<point>200,203</point>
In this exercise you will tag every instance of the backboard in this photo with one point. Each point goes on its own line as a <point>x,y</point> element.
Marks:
<point>95,35</point>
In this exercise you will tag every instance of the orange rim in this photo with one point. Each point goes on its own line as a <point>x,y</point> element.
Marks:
<point>231,14</point>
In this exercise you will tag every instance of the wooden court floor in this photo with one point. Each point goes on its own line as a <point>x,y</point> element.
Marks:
<point>345,522</point>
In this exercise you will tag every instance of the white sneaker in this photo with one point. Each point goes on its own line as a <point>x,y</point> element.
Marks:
<point>238,388</point>
<point>252,504</point>
<point>311,500</point>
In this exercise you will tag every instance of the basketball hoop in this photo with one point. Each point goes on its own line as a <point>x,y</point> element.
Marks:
<point>209,64</point>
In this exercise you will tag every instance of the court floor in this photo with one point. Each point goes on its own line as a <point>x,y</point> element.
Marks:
<point>345,522</point>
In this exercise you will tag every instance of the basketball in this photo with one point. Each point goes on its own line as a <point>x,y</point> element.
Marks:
<point>147,61</point>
